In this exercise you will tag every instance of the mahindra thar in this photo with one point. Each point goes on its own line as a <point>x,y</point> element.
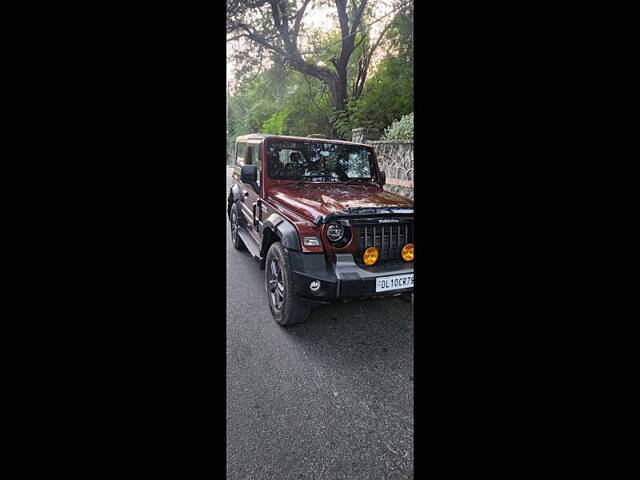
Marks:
<point>314,214</point>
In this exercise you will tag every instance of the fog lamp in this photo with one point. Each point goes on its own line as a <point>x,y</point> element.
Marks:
<point>407,252</point>
<point>370,256</point>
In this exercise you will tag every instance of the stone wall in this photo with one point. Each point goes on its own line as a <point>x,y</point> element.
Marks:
<point>395,158</point>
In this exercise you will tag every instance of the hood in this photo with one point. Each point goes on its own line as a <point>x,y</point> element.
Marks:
<point>311,201</point>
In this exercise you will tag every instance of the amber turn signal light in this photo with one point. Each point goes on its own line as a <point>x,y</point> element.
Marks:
<point>370,256</point>
<point>407,252</point>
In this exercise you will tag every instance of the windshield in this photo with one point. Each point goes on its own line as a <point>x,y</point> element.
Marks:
<point>319,162</point>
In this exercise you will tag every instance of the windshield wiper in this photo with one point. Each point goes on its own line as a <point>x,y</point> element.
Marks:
<point>330,177</point>
<point>310,178</point>
<point>351,180</point>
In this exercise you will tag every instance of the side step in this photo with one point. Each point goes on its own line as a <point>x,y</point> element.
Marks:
<point>250,242</point>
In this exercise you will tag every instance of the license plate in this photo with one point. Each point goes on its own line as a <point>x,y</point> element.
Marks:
<point>396,282</point>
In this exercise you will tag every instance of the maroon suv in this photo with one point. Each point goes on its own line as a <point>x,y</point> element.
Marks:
<point>314,214</point>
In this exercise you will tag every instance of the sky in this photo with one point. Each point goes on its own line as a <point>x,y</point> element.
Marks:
<point>326,19</point>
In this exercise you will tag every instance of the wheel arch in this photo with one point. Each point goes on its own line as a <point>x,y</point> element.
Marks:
<point>269,237</point>
<point>274,229</point>
<point>234,196</point>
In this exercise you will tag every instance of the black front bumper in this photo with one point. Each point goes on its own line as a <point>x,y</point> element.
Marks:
<point>342,279</point>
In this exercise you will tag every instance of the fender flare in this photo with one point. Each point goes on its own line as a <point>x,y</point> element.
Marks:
<point>234,196</point>
<point>284,230</point>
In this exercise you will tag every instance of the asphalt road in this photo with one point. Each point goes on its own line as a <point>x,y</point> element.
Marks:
<point>331,398</point>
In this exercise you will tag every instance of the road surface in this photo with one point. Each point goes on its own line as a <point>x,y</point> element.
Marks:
<point>331,398</point>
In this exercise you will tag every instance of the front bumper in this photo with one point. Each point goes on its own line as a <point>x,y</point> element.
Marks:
<point>342,279</point>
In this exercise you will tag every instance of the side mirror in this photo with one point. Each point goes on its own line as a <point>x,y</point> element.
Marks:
<point>249,175</point>
<point>383,178</point>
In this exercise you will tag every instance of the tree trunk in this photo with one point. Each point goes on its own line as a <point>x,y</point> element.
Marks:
<point>288,48</point>
<point>341,89</point>
<point>338,93</point>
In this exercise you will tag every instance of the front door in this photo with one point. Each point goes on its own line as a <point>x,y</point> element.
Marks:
<point>249,197</point>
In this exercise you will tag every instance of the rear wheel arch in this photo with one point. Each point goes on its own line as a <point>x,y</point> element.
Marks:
<point>234,196</point>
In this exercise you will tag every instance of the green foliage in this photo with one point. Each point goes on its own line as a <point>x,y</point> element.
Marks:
<point>343,121</point>
<point>400,35</point>
<point>280,100</point>
<point>387,96</point>
<point>276,123</point>
<point>401,129</point>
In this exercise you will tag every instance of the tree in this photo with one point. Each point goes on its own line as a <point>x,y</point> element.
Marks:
<point>275,26</point>
<point>280,102</point>
<point>388,94</point>
<point>400,35</point>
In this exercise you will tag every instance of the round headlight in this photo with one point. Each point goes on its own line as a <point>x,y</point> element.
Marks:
<point>335,232</point>
<point>370,256</point>
<point>407,252</point>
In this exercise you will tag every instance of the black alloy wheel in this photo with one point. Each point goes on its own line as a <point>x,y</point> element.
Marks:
<point>276,285</point>
<point>286,308</point>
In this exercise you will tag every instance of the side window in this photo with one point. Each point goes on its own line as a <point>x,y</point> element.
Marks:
<point>241,149</point>
<point>255,159</point>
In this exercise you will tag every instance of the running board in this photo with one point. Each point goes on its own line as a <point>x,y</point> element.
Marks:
<point>250,242</point>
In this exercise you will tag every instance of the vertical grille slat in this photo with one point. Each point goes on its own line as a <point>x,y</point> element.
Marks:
<point>382,252</point>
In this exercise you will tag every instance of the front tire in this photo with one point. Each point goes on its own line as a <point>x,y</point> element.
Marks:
<point>286,308</point>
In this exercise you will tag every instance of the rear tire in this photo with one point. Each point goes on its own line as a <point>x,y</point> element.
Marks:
<point>234,216</point>
<point>286,308</point>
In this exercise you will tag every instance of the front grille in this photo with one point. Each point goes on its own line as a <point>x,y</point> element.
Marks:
<point>388,239</point>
